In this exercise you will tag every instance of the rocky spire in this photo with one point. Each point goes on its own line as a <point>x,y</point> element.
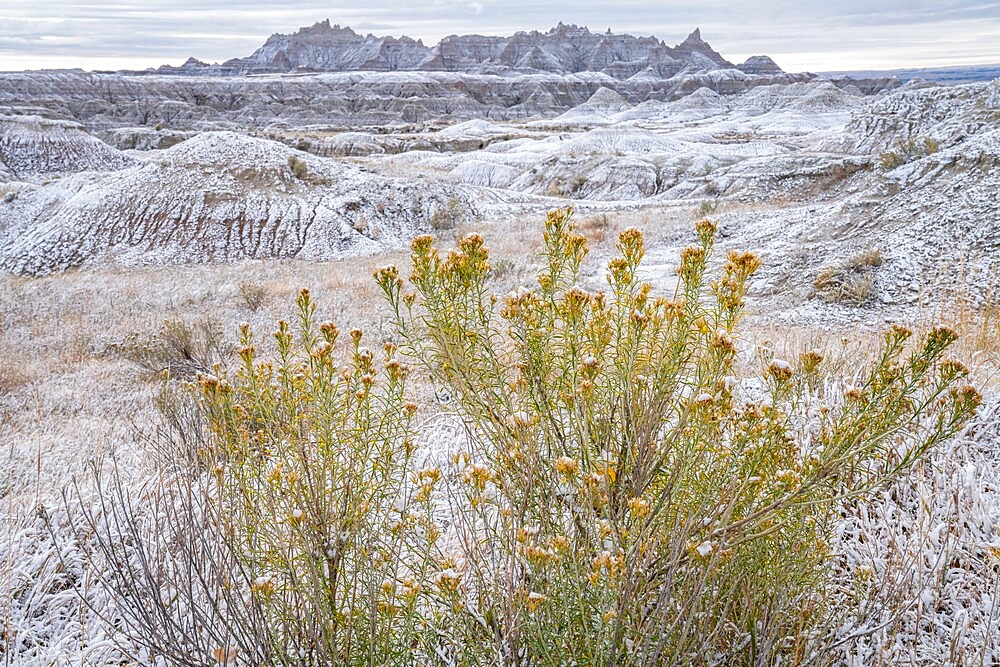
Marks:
<point>697,52</point>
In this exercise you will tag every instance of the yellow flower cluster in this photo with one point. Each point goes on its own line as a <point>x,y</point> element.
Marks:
<point>566,466</point>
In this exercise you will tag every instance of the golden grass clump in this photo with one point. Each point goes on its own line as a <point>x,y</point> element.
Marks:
<point>851,282</point>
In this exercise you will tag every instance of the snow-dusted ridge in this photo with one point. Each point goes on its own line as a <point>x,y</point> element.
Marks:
<point>220,196</point>
<point>32,147</point>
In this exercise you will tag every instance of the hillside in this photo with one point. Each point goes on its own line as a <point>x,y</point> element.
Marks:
<point>797,170</point>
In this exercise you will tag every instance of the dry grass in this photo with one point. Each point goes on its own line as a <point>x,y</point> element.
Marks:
<point>13,377</point>
<point>954,296</point>
<point>978,345</point>
<point>595,227</point>
<point>254,294</point>
<point>64,395</point>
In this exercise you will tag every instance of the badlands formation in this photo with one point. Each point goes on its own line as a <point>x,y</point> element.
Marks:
<point>191,163</point>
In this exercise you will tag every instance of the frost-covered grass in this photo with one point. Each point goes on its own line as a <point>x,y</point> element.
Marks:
<point>928,546</point>
<point>65,393</point>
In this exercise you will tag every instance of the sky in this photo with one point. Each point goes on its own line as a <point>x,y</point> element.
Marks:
<point>801,35</point>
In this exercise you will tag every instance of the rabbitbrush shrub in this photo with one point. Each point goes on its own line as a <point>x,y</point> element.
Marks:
<point>292,529</point>
<point>623,501</point>
<point>624,498</point>
<point>312,462</point>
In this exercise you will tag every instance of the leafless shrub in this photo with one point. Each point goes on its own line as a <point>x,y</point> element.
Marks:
<point>706,208</point>
<point>180,349</point>
<point>555,189</point>
<point>177,588</point>
<point>838,173</point>
<point>448,217</point>
<point>576,185</point>
<point>298,167</point>
<point>869,259</point>
<point>253,294</point>
<point>850,282</point>
<point>596,226</point>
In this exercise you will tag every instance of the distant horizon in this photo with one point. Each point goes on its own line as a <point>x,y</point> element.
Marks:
<point>809,37</point>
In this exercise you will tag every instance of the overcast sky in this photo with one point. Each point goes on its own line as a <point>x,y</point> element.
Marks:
<point>813,35</point>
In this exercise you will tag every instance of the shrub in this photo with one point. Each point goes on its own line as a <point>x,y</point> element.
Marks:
<point>555,188</point>
<point>596,227</point>
<point>179,349</point>
<point>850,282</point>
<point>890,160</point>
<point>907,150</point>
<point>253,294</point>
<point>301,171</point>
<point>447,217</point>
<point>620,504</point>
<point>298,166</point>
<point>297,532</point>
<point>707,207</point>
<point>312,462</point>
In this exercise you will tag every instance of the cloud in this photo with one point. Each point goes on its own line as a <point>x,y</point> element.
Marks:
<point>803,34</point>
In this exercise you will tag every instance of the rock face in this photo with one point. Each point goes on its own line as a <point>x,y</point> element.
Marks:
<point>347,100</point>
<point>332,76</point>
<point>696,51</point>
<point>759,65</point>
<point>322,48</point>
<point>565,49</point>
<point>947,115</point>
